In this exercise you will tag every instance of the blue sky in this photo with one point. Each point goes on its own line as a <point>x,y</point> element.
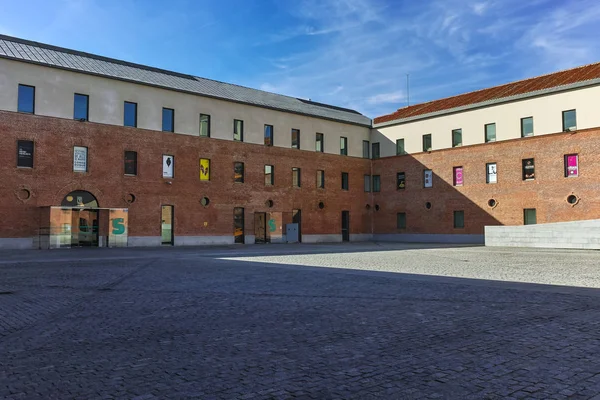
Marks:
<point>351,53</point>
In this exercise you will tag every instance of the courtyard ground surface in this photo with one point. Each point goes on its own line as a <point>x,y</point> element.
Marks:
<point>347,321</point>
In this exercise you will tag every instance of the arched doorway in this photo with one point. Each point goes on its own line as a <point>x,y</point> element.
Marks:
<point>84,218</point>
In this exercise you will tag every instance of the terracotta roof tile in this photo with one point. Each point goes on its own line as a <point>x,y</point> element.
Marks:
<point>579,74</point>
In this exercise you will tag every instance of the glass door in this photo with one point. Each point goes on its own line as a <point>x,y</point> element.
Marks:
<point>346,226</point>
<point>167,225</point>
<point>84,228</point>
<point>238,225</point>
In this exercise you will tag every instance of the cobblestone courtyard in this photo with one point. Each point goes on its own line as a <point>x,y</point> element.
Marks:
<point>361,321</point>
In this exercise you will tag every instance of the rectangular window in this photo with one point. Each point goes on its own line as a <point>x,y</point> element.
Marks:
<point>529,216</point>
<point>269,175</point>
<point>571,165</point>
<point>569,119</point>
<point>321,179</point>
<point>268,135</point>
<point>130,163</point>
<point>400,147</point>
<point>400,181</point>
<point>366,149</point>
<point>204,173</point>
<point>238,130</point>
<point>168,120</point>
<point>491,173</point>
<point>80,159</point>
<point>81,107</point>
<point>458,176</point>
<point>238,172</point>
<point>343,146</point>
<point>456,138</point>
<point>295,138</point>
<point>401,220</point>
<point>168,166</point>
<point>427,178</point>
<point>319,143</point>
<point>427,142</point>
<point>130,114</point>
<point>26,99</point>
<point>296,177</point>
<point>345,184</point>
<point>25,153</point>
<point>459,219</point>
<point>375,150</point>
<point>204,125</point>
<point>528,169</point>
<point>526,126</point>
<point>376,183</point>
<point>367,183</point>
<point>490,133</point>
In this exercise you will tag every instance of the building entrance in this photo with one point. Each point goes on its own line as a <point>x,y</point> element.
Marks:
<point>84,228</point>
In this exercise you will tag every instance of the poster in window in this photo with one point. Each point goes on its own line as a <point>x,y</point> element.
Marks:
<point>168,166</point>
<point>80,159</point>
<point>204,169</point>
<point>25,153</point>
<point>572,162</point>
<point>428,178</point>
<point>401,181</point>
<point>492,173</point>
<point>528,169</point>
<point>458,176</point>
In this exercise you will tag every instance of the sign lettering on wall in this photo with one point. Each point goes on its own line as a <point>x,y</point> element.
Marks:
<point>458,176</point>
<point>572,161</point>
<point>25,153</point>
<point>204,169</point>
<point>168,166</point>
<point>428,178</point>
<point>80,159</point>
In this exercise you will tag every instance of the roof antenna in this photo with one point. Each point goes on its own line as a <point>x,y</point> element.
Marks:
<point>407,90</point>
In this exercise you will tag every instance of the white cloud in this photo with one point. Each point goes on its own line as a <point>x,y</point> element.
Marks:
<point>384,98</point>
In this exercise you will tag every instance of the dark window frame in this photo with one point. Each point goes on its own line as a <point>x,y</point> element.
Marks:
<point>375,154</point>
<point>343,146</point>
<point>135,117</point>
<point>400,150</point>
<point>241,133</point>
<point>271,135</point>
<point>87,106</point>
<point>526,220</point>
<point>345,181</point>
<point>236,165</point>
<point>172,127</point>
<point>485,132</point>
<point>459,223</point>
<point>401,220</point>
<point>135,166</point>
<point>367,183</point>
<point>19,146</point>
<point>376,186</point>
<point>427,137</point>
<point>564,124</point>
<point>297,144</point>
<point>523,127</point>
<point>321,177</point>
<point>207,125</point>
<point>455,133</point>
<point>398,174</point>
<point>320,139</point>
<point>367,153</point>
<point>297,175</point>
<point>272,181</point>
<point>32,99</point>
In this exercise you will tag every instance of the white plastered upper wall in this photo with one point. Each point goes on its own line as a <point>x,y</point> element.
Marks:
<point>55,89</point>
<point>546,111</point>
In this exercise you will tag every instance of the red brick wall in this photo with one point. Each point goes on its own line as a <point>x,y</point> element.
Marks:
<point>547,193</point>
<point>52,178</point>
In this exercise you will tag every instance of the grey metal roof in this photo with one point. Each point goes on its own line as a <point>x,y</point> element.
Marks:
<point>57,57</point>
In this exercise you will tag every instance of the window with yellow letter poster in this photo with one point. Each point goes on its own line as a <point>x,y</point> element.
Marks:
<point>204,169</point>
